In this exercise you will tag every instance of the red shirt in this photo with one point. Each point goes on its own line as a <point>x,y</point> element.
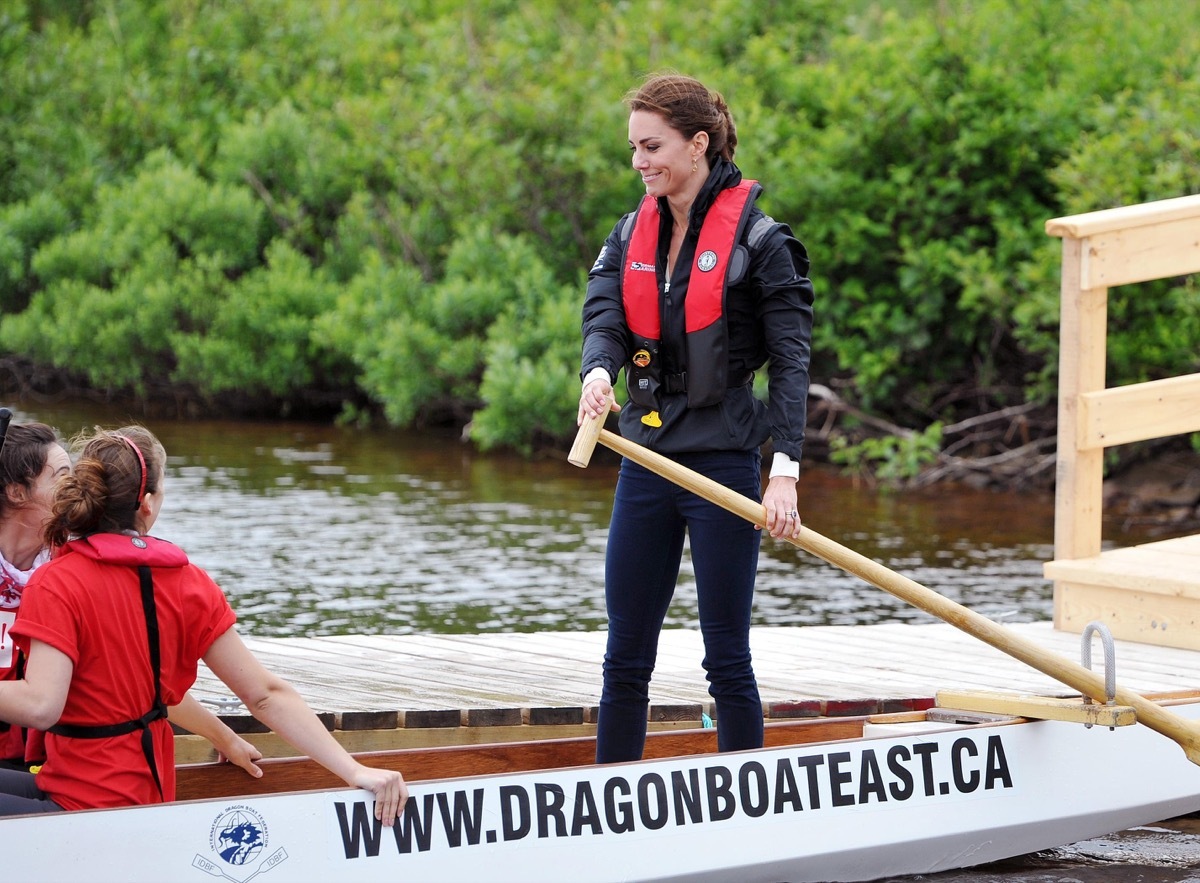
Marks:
<point>12,740</point>
<point>87,604</point>
<point>12,584</point>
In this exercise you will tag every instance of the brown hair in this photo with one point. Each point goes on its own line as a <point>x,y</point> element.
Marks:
<point>689,107</point>
<point>102,495</point>
<point>23,457</point>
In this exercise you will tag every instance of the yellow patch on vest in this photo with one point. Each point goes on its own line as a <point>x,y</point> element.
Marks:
<point>652,419</point>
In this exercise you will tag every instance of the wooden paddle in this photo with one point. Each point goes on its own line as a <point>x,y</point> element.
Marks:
<point>1087,682</point>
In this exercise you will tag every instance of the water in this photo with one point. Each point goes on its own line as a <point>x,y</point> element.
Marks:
<point>319,530</point>
<point>1168,852</point>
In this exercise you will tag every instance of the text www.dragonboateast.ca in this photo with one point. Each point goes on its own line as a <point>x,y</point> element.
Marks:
<point>704,794</point>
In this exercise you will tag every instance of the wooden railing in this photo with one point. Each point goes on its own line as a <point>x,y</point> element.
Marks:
<point>1103,249</point>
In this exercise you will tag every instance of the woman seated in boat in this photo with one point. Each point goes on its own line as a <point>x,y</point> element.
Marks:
<point>32,459</point>
<point>114,627</point>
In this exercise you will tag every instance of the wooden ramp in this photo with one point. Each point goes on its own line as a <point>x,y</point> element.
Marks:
<point>381,691</point>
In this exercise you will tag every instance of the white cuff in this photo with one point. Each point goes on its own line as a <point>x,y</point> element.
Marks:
<point>785,465</point>
<point>597,373</point>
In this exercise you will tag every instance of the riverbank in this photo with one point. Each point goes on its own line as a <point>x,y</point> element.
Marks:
<point>1008,450</point>
<point>1163,491</point>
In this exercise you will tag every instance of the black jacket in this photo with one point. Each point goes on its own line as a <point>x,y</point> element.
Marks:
<point>769,315</point>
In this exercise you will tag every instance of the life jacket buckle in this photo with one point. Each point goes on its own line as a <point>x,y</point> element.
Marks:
<point>675,383</point>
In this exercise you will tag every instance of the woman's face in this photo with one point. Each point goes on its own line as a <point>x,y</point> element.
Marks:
<point>661,155</point>
<point>41,495</point>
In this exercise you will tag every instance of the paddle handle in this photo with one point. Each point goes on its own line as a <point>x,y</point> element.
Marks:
<point>1087,682</point>
<point>587,436</point>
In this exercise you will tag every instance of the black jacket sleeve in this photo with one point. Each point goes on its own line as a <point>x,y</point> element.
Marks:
<point>786,313</point>
<point>605,333</point>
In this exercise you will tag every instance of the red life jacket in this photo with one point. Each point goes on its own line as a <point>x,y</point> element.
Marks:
<point>707,338</point>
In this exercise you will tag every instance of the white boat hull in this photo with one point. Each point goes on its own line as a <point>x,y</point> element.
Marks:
<point>904,800</point>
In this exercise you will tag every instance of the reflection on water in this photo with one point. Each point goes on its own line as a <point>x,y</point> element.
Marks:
<point>316,530</point>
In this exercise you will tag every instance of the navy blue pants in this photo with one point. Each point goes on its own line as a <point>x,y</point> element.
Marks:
<point>19,794</point>
<point>645,545</point>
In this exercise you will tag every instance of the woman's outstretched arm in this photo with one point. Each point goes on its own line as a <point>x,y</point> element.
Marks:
<point>276,703</point>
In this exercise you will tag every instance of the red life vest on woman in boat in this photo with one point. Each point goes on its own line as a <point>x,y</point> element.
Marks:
<point>706,344</point>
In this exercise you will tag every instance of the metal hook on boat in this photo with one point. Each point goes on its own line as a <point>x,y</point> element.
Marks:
<point>1110,663</point>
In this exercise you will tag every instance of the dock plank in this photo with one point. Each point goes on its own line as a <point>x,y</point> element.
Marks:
<point>371,673</point>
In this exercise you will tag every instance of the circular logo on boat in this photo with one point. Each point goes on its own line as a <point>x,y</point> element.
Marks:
<point>641,358</point>
<point>239,835</point>
<point>706,261</point>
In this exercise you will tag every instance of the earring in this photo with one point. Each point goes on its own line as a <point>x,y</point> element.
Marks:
<point>693,164</point>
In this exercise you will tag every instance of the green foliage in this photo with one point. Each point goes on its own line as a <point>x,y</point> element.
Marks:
<point>24,228</point>
<point>163,204</point>
<point>530,388</point>
<point>261,340</point>
<point>891,458</point>
<point>390,205</point>
<point>303,173</point>
<point>1147,149</point>
<point>922,129</point>
<point>369,323</point>
<point>423,348</point>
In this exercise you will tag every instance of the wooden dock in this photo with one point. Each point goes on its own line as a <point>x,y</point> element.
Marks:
<point>381,691</point>
<point>1147,593</point>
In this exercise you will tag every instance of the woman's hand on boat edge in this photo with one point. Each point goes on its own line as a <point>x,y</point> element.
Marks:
<point>241,753</point>
<point>389,788</point>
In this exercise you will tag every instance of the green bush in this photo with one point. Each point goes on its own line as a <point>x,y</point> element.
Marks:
<point>363,325</point>
<point>389,206</point>
<point>24,228</point>
<point>890,458</point>
<point>530,387</point>
<point>260,340</point>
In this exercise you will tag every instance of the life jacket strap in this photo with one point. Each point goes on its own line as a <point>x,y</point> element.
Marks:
<point>675,383</point>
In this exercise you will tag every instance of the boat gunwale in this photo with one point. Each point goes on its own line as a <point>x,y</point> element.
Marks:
<point>212,780</point>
